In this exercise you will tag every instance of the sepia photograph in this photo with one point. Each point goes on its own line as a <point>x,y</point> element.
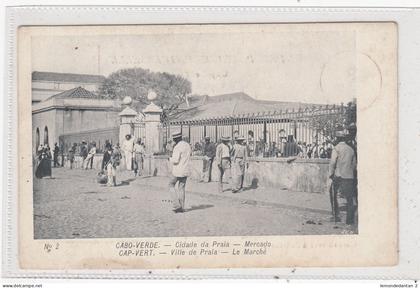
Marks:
<point>194,130</point>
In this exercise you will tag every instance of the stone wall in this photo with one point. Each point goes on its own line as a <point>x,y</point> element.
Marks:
<point>303,175</point>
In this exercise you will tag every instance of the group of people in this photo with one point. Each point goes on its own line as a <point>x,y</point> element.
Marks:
<point>284,147</point>
<point>85,151</point>
<point>43,161</point>
<point>134,152</point>
<point>226,156</point>
<point>342,167</point>
<point>131,151</point>
<point>43,158</point>
<point>131,155</point>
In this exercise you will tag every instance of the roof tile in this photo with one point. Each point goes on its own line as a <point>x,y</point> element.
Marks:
<point>77,92</point>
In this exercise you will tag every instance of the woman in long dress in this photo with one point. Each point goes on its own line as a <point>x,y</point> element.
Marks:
<point>38,160</point>
<point>44,166</point>
<point>48,170</point>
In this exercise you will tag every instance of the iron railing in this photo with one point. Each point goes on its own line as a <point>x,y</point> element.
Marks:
<point>265,133</point>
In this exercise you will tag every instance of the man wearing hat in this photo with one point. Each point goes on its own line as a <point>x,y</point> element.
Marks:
<point>341,171</point>
<point>352,137</point>
<point>91,154</point>
<point>352,142</point>
<point>180,170</point>
<point>84,153</point>
<point>223,151</point>
<point>238,163</point>
<point>209,151</point>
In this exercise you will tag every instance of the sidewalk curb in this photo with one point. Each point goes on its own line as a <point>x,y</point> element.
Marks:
<point>246,201</point>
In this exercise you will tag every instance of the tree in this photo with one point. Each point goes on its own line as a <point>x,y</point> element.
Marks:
<point>327,120</point>
<point>171,89</point>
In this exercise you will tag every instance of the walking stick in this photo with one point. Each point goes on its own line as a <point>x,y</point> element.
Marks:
<point>333,200</point>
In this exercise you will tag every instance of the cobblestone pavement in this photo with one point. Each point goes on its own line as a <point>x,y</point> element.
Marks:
<point>73,205</point>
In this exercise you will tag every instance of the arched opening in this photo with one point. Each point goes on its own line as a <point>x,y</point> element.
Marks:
<point>37,139</point>
<point>46,136</point>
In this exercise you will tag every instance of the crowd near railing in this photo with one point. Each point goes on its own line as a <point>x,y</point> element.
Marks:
<point>307,133</point>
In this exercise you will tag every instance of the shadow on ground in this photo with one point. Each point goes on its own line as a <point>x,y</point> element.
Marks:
<point>253,186</point>
<point>198,207</point>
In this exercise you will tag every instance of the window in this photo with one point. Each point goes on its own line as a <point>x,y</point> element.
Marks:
<point>46,136</point>
<point>37,140</point>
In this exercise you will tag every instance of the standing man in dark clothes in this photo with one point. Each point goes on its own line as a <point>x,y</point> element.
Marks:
<point>290,148</point>
<point>112,164</point>
<point>352,142</point>
<point>352,137</point>
<point>62,154</point>
<point>83,152</point>
<point>56,151</point>
<point>107,155</point>
<point>72,152</point>
<point>209,152</point>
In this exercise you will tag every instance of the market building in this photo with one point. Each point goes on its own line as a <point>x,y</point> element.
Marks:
<point>76,112</point>
<point>47,84</point>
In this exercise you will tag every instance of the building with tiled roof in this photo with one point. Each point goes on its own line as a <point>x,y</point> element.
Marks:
<point>75,112</point>
<point>78,92</point>
<point>78,111</point>
<point>47,84</point>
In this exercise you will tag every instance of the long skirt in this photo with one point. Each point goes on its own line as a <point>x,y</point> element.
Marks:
<point>44,168</point>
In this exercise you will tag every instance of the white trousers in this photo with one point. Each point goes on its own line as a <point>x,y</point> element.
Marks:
<point>128,159</point>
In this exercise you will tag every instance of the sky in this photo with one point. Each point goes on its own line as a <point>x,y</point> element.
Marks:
<point>300,63</point>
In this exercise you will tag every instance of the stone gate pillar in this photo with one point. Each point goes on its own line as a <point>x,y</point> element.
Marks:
<point>127,118</point>
<point>152,115</point>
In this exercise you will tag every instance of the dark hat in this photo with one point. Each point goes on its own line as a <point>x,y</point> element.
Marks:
<point>207,137</point>
<point>176,135</point>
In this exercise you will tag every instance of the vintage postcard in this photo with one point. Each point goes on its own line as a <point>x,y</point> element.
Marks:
<point>207,146</point>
